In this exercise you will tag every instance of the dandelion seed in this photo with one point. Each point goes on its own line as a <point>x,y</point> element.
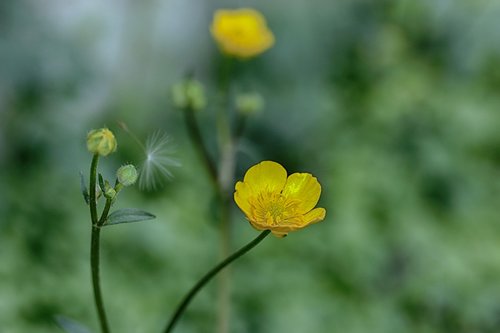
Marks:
<point>158,159</point>
<point>155,169</point>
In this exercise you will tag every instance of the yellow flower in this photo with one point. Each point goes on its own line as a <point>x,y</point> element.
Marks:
<point>242,32</point>
<point>271,201</point>
<point>101,141</point>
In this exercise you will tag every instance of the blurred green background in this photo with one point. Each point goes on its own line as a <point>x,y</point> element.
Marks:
<point>393,105</point>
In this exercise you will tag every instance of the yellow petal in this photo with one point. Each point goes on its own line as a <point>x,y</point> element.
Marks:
<point>305,189</point>
<point>315,215</point>
<point>266,176</point>
<point>279,234</point>
<point>241,197</point>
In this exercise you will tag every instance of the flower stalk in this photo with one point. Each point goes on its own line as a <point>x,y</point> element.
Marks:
<point>195,136</point>
<point>92,187</point>
<point>240,34</point>
<point>208,276</point>
<point>95,245</point>
<point>94,263</point>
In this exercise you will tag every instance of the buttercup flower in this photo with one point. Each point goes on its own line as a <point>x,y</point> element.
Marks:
<point>101,141</point>
<point>273,201</point>
<point>242,32</point>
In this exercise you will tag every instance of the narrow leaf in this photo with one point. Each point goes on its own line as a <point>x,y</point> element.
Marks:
<point>70,326</point>
<point>83,188</point>
<point>128,215</point>
<point>101,183</point>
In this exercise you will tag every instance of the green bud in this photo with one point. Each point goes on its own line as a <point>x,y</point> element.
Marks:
<point>249,103</point>
<point>189,93</point>
<point>101,141</point>
<point>127,175</point>
<point>109,191</point>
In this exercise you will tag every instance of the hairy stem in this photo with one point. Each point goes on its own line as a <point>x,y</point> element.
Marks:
<point>207,277</point>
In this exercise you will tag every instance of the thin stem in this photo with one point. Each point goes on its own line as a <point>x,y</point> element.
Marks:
<point>92,187</point>
<point>224,279</point>
<point>225,182</point>
<point>205,279</point>
<point>222,116</point>
<point>195,135</point>
<point>105,212</point>
<point>94,264</point>
<point>240,127</point>
<point>94,247</point>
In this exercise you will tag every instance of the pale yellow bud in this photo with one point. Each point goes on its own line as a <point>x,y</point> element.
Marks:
<point>101,141</point>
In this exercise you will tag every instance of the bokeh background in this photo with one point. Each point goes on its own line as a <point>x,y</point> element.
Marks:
<point>393,105</point>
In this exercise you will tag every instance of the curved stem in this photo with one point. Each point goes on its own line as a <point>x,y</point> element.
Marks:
<point>92,187</point>
<point>207,277</point>
<point>94,247</point>
<point>195,136</point>
<point>94,264</point>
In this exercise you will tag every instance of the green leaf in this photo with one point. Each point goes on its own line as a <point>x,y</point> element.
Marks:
<point>70,326</point>
<point>128,215</point>
<point>101,183</point>
<point>83,188</point>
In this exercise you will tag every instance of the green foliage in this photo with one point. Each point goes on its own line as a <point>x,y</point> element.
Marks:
<point>128,215</point>
<point>392,104</point>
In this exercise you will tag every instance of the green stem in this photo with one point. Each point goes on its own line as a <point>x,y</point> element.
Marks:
<point>92,188</point>
<point>222,115</point>
<point>94,263</point>
<point>224,279</point>
<point>94,247</point>
<point>225,182</point>
<point>205,279</point>
<point>195,136</point>
<point>105,212</point>
<point>240,127</point>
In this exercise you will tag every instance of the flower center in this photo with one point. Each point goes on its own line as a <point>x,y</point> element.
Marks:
<point>272,208</point>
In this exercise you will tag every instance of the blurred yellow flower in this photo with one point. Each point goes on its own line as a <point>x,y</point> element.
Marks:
<point>242,32</point>
<point>273,201</point>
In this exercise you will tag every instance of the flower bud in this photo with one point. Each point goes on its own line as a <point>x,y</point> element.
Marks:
<point>189,93</point>
<point>127,175</point>
<point>249,103</point>
<point>101,141</point>
<point>109,191</point>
